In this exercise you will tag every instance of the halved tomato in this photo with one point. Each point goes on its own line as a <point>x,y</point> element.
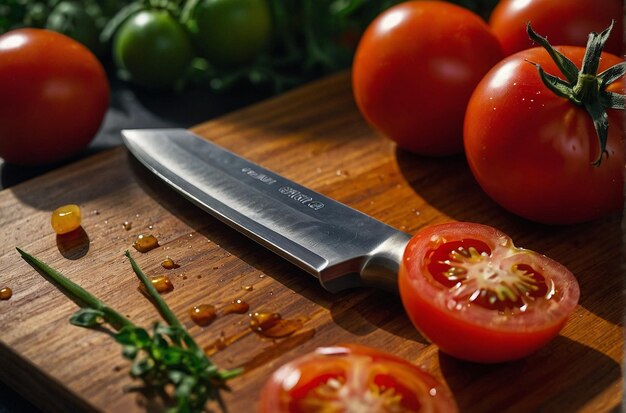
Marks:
<point>473,293</point>
<point>353,378</point>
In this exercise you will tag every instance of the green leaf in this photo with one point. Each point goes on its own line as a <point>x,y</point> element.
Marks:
<point>595,44</point>
<point>613,100</point>
<point>141,367</point>
<point>556,85</point>
<point>601,124</point>
<point>173,332</point>
<point>87,317</point>
<point>175,376</point>
<point>611,74</point>
<point>172,356</point>
<point>130,352</point>
<point>185,387</point>
<point>135,336</point>
<point>566,66</point>
<point>226,375</point>
<point>75,291</point>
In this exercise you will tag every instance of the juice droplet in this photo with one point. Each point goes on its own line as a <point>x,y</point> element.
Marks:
<point>66,219</point>
<point>203,314</point>
<point>272,325</point>
<point>161,283</point>
<point>169,264</point>
<point>145,243</point>
<point>222,342</point>
<point>127,225</point>
<point>236,307</point>
<point>5,293</point>
<point>247,287</point>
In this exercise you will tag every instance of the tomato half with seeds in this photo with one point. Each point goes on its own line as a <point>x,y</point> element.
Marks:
<point>473,293</point>
<point>353,378</point>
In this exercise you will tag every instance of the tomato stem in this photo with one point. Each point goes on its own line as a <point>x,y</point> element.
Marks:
<point>585,87</point>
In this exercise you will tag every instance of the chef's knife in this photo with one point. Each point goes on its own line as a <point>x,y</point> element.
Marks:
<point>339,245</point>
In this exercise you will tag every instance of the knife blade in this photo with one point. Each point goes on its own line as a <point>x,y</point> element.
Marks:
<point>339,245</point>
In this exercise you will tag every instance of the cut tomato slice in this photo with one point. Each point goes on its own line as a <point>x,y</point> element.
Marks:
<point>473,293</point>
<point>350,379</point>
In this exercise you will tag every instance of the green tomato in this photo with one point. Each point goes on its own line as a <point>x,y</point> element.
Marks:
<point>231,32</point>
<point>152,49</point>
<point>71,19</point>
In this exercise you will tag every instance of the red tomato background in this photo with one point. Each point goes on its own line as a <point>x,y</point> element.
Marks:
<point>563,22</point>
<point>53,96</point>
<point>532,151</point>
<point>466,330</point>
<point>414,70</point>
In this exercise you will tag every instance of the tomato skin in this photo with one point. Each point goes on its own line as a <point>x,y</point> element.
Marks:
<point>562,22</point>
<point>152,48</point>
<point>231,32</point>
<point>414,71</point>
<point>532,151</point>
<point>471,332</point>
<point>289,386</point>
<point>53,96</point>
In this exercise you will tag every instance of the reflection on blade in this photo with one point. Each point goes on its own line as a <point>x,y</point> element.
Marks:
<point>341,246</point>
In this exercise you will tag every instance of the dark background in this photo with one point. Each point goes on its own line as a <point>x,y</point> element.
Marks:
<point>132,107</point>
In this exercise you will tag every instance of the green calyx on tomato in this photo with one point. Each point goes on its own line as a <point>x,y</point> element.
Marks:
<point>585,87</point>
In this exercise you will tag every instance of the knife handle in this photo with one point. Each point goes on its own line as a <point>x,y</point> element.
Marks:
<point>380,269</point>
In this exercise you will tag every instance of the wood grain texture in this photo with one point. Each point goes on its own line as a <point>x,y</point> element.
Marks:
<point>315,136</point>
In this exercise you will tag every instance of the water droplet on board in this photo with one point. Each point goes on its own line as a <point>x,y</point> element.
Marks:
<point>236,307</point>
<point>145,243</point>
<point>5,293</point>
<point>160,282</point>
<point>272,325</point>
<point>203,314</point>
<point>169,264</point>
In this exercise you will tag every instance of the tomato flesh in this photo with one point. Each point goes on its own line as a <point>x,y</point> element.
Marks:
<point>470,291</point>
<point>465,266</point>
<point>353,378</point>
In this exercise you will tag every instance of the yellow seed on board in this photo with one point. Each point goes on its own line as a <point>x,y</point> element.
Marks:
<point>66,219</point>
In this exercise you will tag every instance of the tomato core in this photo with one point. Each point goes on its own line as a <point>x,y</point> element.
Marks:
<point>362,390</point>
<point>465,267</point>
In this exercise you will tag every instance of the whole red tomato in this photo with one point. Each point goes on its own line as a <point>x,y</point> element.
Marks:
<point>414,70</point>
<point>53,96</point>
<point>351,378</point>
<point>533,152</point>
<point>562,22</point>
<point>478,297</point>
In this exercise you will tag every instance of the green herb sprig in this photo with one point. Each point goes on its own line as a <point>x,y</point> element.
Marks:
<point>169,357</point>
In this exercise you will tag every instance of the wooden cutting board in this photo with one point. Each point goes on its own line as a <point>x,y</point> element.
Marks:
<point>315,136</point>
